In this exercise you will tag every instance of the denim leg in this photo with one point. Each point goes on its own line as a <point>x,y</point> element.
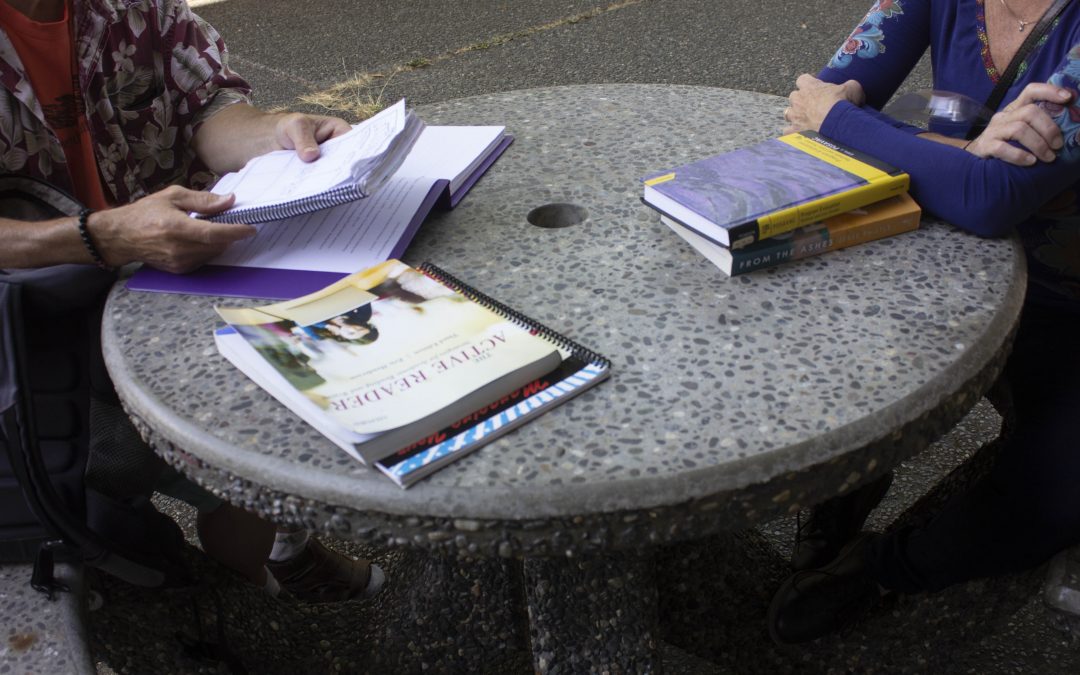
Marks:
<point>1028,507</point>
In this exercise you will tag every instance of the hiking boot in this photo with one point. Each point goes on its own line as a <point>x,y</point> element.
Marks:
<point>813,603</point>
<point>318,574</point>
<point>834,523</point>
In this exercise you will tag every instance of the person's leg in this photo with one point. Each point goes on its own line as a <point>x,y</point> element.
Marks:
<point>126,469</point>
<point>833,523</point>
<point>1019,515</point>
<point>229,535</point>
<point>237,539</point>
<point>1028,507</point>
<point>268,555</point>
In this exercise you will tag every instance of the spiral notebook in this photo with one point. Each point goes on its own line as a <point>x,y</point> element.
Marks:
<point>406,369</point>
<point>580,369</point>
<point>352,166</point>
<point>292,257</point>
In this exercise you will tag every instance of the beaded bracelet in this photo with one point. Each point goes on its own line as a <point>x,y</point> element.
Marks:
<point>84,214</point>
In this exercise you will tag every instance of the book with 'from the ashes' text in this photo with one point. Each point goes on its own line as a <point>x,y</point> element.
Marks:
<point>876,221</point>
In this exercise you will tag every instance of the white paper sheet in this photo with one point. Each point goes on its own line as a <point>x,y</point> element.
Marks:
<point>343,238</point>
<point>282,176</point>
<point>362,233</point>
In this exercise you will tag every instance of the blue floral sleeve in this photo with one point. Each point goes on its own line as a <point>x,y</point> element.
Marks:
<point>985,196</point>
<point>1068,116</point>
<point>883,48</point>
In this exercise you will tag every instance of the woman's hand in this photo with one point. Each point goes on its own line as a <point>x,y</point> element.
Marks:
<point>1025,122</point>
<point>812,100</point>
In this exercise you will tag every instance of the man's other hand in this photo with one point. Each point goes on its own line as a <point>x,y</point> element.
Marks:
<point>158,231</point>
<point>229,139</point>
<point>303,133</point>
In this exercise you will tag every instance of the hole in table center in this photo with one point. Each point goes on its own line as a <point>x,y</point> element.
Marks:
<point>557,215</point>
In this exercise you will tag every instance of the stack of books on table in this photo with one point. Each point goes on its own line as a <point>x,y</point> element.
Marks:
<point>786,198</point>
<point>406,369</point>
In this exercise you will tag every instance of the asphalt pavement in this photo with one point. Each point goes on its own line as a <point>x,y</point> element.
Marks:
<point>434,50</point>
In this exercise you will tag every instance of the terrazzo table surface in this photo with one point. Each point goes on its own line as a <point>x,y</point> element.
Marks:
<point>732,399</point>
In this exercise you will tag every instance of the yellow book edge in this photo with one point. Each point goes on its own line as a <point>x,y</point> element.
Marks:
<point>788,219</point>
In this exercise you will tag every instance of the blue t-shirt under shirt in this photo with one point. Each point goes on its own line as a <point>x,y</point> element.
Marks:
<point>984,196</point>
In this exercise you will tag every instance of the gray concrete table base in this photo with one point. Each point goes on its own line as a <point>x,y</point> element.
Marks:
<point>703,583</point>
<point>596,614</point>
<point>435,615</point>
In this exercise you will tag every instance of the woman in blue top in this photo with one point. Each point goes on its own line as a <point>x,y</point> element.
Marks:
<point>1022,174</point>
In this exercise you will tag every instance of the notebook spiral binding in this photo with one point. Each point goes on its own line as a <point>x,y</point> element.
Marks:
<point>296,207</point>
<point>560,340</point>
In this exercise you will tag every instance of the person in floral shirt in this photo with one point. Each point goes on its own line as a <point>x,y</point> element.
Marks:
<point>130,106</point>
<point>162,113</point>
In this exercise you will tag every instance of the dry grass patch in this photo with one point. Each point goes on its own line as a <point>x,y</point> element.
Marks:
<point>360,96</point>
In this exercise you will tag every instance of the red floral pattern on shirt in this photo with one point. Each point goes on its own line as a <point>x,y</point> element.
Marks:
<point>151,72</point>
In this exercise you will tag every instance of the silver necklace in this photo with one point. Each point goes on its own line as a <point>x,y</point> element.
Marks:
<point>1023,24</point>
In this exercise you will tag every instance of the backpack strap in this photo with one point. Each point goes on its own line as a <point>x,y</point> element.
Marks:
<point>49,318</point>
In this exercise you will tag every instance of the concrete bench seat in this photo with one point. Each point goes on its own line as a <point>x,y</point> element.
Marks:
<point>41,635</point>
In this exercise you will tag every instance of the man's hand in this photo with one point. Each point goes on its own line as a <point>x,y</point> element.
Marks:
<point>226,141</point>
<point>812,100</point>
<point>1025,122</point>
<point>304,133</point>
<point>157,230</point>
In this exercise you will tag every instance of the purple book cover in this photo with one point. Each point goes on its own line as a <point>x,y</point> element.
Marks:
<point>453,199</point>
<point>267,282</point>
<point>284,284</point>
<point>740,186</point>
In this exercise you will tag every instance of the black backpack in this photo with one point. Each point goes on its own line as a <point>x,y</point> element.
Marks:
<point>75,478</point>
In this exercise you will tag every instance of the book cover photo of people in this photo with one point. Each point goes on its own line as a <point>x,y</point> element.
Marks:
<point>387,346</point>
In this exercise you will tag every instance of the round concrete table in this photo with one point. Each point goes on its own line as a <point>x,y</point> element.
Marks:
<point>732,400</point>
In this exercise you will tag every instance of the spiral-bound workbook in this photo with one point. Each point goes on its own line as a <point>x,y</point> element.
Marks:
<point>291,257</point>
<point>406,368</point>
<point>352,166</point>
<point>580,369</point>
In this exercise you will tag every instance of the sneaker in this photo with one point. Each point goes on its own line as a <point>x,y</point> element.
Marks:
<point>834,523</point>
<point>813,603</point>
<point>318,574</point>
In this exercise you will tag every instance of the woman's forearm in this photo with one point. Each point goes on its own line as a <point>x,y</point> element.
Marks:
<point>984,196</point>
